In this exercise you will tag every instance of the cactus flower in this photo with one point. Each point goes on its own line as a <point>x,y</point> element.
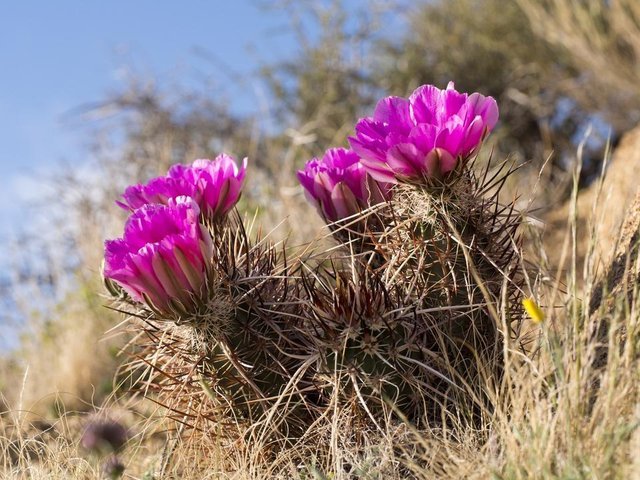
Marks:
<point>163,254</point>
<point>425,136</point>
<point>339,186</point>
<point>214,184</point>
<point>157,190</point>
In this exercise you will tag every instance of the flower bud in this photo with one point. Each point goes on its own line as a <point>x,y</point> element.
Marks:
<point>339,186</point>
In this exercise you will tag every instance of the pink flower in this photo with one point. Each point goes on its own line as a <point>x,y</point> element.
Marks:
<point>339,186</point>
<point>424,136</point>
<point>157,190</point>
<point>214,184</point>
<point>163,254</point>
<point>218,183</point>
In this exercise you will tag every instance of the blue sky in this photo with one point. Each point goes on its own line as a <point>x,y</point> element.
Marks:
<point>57,55</point>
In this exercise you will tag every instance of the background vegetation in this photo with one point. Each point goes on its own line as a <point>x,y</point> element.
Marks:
<point>557,69</point>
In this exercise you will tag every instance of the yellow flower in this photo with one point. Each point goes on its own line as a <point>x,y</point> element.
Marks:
<point>533,310</point>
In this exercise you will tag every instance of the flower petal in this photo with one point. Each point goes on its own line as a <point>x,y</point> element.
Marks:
<point>394,111</point>
<point>405,160</point>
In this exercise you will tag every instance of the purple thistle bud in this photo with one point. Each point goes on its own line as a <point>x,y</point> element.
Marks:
<point>339,186</point>
<point>104,435</point>
<point>424,136</point>
<point>163,254</point>
<point>215,185</point>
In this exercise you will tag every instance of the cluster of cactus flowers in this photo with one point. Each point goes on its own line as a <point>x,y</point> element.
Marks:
<point>397,321</point>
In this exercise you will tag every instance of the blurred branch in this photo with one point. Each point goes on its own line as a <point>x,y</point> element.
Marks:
<point>602,39</point>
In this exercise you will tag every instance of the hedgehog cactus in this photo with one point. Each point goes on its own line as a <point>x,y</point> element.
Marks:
<point>399,321</point>
<point>205,294</point>
<point>376,348</point>
<point>409,322</point>
<point>446,232</point>
<point>409,319</point>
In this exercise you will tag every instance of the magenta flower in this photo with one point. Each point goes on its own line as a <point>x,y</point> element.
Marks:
<point>218,183</point>
<point>214,184</point>
<point>426,135</point>
<point>163,254</point>
<point>339,186</point>
<point>158,190</point>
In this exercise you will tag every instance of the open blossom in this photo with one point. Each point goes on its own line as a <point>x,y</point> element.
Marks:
<point>163,254</point>
<point>424,136</point>
<point>157,190</point>
<point>214,184</point>
<point>339,186</point>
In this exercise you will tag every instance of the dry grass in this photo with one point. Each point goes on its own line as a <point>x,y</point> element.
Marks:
<point>39,447</point>
<point>567,407</point>
<point>603,41</point>
<point>599,205</point>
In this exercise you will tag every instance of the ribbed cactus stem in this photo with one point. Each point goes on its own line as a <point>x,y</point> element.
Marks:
<point>246,359</point>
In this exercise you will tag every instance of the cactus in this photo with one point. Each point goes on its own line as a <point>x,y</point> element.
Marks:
<point>226,346</point>
<point>406,323</point>
<point>398,321</point>
<point>234,352</point>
